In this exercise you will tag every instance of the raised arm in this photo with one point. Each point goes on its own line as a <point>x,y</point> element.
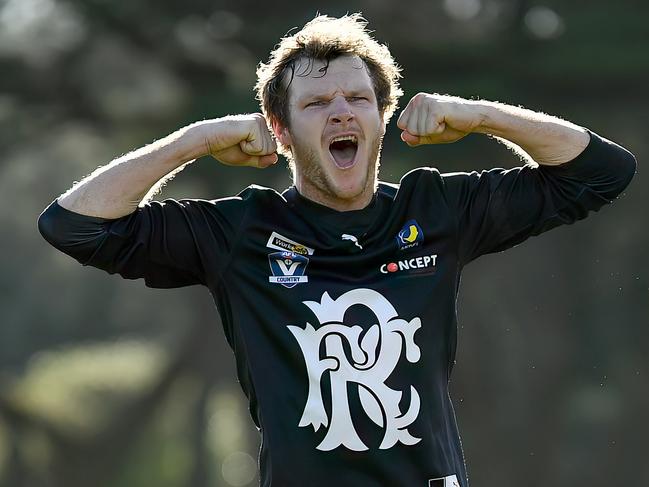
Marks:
<point>116,190</point>
<point>106,221</point>
<point>544,139</point>
<point>570,171</point>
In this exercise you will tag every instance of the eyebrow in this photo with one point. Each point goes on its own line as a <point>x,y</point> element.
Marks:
<point>325,96</point>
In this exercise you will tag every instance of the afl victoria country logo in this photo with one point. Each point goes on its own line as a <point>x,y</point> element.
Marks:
<point>288,268</point>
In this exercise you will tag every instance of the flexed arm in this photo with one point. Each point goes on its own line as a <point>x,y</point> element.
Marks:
<point>105,221</point>
<point>438,119</point>
<point>578,171</point>
<point>116,190</point>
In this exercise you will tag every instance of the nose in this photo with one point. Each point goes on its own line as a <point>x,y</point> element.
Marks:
<point>342,118</point>
<point>341,112</point>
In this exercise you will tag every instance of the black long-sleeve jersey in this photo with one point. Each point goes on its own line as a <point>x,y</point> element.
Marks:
<point>343,324</point>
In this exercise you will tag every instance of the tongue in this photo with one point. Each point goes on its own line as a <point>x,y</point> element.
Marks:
<point>343,153</point>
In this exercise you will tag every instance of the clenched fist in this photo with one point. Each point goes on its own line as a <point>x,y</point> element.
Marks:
<point>240,140</point>
<point>438,119</point>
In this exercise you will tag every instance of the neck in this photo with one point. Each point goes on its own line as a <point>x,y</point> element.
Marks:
<point>335,202</point>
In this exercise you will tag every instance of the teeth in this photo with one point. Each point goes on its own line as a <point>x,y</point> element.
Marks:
<point>351,138</point>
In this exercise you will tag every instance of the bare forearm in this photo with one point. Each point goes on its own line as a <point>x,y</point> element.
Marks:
<point>441,119</point>
<point>118,188</point>
<point>546,139</point>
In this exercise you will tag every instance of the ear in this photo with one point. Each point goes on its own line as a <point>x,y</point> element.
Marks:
<point>281,133</point>
<point>383,125</point>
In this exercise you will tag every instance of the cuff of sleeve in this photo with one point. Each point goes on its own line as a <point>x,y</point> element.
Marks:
<point>72,233</point>
<point>603,165</point>
<point>56,209</point>
<point>599,151</point>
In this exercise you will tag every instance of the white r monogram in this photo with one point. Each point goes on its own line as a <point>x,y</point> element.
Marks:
<point>369,370</point>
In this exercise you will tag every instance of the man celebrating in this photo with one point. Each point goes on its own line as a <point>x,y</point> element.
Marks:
<point>338,295</point>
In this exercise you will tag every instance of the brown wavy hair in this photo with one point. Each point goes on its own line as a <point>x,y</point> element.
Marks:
<point>325,38</point>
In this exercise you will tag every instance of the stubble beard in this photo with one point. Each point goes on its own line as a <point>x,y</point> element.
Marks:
<point>307,162</point>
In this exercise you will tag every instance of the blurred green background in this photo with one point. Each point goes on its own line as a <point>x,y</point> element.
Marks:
<point>104,382</point>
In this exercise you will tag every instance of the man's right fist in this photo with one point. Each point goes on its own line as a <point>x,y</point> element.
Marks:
<point>240,140</point>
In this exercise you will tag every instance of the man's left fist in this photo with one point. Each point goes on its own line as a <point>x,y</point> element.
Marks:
<point>438,119</point>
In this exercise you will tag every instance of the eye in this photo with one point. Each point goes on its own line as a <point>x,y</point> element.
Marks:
<point>356,98</point>
<point>317,103</point>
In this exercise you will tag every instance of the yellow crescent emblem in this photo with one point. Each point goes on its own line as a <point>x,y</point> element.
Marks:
<point>414,233</point>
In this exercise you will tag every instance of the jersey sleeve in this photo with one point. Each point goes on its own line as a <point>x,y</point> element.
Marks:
<point>168,244</point>
<point>498,208</point>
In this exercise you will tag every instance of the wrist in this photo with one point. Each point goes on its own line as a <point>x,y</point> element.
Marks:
<point>193,140</point>
<point>488,116</point>
<point>207,137</point>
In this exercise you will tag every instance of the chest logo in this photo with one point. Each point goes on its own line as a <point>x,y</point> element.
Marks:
<point>374,355</point>
<point>288,268</point>
<point>411,235</point>
<point>353,239</point>
<point>423,264</point>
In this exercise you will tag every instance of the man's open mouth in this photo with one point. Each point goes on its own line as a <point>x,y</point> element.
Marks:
<point>343,150</point>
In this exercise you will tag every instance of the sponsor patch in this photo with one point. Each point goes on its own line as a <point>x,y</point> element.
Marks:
<point>411,235</point>
<point>423,264</point>
<point>288,268</point>
<point>280,242</point>
<point>449,481</point>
